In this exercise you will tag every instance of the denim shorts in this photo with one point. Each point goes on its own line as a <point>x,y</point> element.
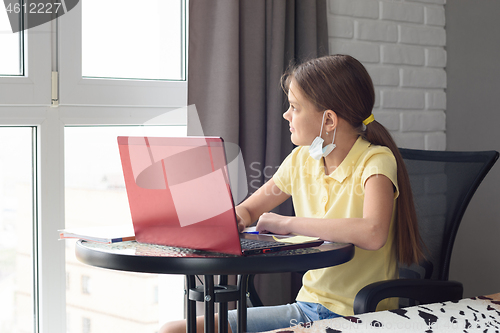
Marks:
<point>267,318</point>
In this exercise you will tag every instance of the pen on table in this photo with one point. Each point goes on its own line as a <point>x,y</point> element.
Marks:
<point>251,232</point>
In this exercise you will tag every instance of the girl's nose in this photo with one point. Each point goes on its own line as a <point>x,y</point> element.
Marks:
<point>285,115</point>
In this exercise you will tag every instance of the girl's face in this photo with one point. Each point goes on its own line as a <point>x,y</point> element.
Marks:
<point>305,120</point>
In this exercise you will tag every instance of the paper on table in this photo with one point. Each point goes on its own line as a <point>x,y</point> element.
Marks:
<point>296,239</point>
<point>292,239</point>
<point>100,234</point>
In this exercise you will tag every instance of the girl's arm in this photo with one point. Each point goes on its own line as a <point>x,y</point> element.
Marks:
<point>266,198</point>
<point>369,232</point>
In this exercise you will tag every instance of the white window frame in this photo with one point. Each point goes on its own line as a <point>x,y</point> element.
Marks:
<point>33,88</point>
<point>26,101</point>
<point>77,90</point>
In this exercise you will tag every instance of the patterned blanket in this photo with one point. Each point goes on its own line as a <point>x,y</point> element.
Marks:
<point>477,314</point>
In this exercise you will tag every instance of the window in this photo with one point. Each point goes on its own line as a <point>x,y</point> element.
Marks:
<point>86,325</point>
<point>94,178</point>
<point>16,229</point>
<point>129,48</point>
<point>11,57</point>
<point>86,76</point>
<point>155,294</point>
<point>24,71</point>
<point>86,285</point>
<point>88,108</point>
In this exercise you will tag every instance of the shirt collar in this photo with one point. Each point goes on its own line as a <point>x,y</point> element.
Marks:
<point>345,168</point>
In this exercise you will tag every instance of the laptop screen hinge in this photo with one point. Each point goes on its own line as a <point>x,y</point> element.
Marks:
<point>55,90</point>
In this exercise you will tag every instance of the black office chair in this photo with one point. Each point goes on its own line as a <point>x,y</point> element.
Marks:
<point>443,183</point>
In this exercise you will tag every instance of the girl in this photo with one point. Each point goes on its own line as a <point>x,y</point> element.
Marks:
<point>348,184</point>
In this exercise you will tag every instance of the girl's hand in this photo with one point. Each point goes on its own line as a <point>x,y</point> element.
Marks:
<point>274,223</point>
<point>267,197</point>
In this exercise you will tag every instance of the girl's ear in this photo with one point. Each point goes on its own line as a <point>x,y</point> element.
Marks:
<point>331,120</point>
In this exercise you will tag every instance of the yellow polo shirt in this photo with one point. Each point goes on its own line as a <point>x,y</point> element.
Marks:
<point>340,195</point>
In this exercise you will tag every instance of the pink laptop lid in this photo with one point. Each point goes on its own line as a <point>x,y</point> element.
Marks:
<point>179,193</point>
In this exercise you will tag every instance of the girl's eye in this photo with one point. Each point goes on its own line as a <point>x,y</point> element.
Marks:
<point>293,108</point>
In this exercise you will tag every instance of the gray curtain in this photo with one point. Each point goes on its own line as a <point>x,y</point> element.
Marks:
<point>238,51</point>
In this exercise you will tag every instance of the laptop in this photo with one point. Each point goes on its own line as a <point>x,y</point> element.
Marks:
<point>179,195</point>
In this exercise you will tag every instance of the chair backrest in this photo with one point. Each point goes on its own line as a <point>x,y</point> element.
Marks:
<point>443,183</point>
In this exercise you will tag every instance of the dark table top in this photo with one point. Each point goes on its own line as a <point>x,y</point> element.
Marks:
<point>148,258</point>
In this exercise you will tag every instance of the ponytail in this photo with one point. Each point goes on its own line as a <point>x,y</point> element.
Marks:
<point>407,237</point>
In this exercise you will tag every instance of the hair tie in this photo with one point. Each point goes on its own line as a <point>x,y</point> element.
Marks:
<point>368,120</point>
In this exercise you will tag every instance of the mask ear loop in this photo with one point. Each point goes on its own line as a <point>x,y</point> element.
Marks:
<point>321,130</point>
<point>322,122</point>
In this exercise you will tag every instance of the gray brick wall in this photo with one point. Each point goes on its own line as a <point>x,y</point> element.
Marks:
<point>402,44</point>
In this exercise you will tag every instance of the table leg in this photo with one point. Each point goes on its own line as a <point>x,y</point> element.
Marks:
<point>209,304</point>
<point>224,293</point>
<point>223,281</point>
<point>242,303</point>
<point>191,305</point>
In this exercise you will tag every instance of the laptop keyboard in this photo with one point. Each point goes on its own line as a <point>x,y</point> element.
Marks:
<point>249,244</point>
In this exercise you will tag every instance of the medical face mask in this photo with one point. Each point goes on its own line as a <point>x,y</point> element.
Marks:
<point>316,149</point>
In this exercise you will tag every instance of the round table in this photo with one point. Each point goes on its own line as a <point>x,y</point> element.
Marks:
<point>149,258</point>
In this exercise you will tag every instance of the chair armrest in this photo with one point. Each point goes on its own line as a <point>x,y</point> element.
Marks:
<point>424,291</point>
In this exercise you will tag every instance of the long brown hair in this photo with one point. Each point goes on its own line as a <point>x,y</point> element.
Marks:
<point>341,83</point>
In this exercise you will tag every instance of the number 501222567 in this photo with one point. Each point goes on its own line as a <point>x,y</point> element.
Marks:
<point>34,8</point>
